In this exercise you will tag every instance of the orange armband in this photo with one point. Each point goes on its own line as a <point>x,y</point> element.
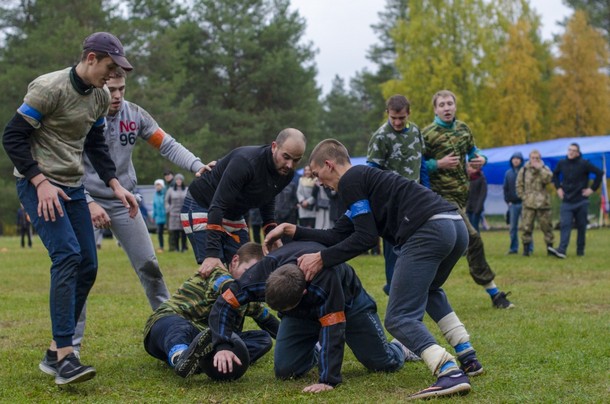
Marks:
<point>333,318</point>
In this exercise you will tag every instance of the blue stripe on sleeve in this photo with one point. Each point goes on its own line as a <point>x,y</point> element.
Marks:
<point>100,122</point>
<point>30,112</point>
<point>221,279</point>
<point>360,207</point>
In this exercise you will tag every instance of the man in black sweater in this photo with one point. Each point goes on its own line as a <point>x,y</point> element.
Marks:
<point>248,177</point>
<point>571,178</point>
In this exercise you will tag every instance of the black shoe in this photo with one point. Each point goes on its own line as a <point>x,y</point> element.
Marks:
<point>500,301</point>
<point>551,251</point>
<point>70,370</point>
<point>188,361</point>
<point>48,364</point>
<point>455,382</point>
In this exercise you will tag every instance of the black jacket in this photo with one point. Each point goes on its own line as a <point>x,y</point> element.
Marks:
<point>573,176</point>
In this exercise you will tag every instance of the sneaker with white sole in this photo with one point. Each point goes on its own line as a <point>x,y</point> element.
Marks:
<point>410,356</point>
<point>188,361</point>
<point>499,301</point>
<point>48,364</point>
<point>70,370</point>
<point>455,382</point>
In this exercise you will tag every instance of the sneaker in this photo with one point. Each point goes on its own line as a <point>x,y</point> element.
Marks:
<point>188,361</point>
<point>455,382</point>
<point>70,370</point>
<point>472,367</point>
<point>48,364</point>
<point>551,251</point>
<point>499,301</point>
<point>410,356</point>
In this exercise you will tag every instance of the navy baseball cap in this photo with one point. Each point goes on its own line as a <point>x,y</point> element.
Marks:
<point>110,44</point>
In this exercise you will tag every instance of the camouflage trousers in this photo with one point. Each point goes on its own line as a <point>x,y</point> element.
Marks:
<point>528,217</point>
<point>477,263</point>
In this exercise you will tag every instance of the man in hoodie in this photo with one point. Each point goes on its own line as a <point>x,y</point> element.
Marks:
<point>448,144</point>
<point>514,202</point>
<point>571,178</point>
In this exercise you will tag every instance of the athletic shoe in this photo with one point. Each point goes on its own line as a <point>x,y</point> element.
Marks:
<point>551,251</point>
<point>410,356</point>
<point>188,361</point>
<point>70,370</point>
<point>455,382</point>
<point>472,367</point>
<point>499,301</point>
<point>48,364</point>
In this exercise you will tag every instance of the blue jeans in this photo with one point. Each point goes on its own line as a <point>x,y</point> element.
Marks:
<point>578,212</point>
<point>515,214</point>
<point>198,239</point>
<point>424,264</point>
<point>294,346</point>
<point>170,331</point>
<point>71,245</point>
<point>475,219</point>
<point>390,260</point>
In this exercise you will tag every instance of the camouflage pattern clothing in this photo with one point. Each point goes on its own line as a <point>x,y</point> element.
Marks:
<point>532,189</point>
<point>193,301</point>
<point>440,140</point>
<point>400,152</point>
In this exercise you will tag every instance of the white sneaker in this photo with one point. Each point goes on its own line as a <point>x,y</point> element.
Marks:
<point>409,355</point>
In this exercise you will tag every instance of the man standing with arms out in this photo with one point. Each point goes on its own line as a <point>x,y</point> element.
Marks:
<point>513,201</point>
<point>248,177</point>
<point>396,146</point>
<point>532,180</point>
<point>571,178</point>
<point>126,122</point>
<point>61,117</point>
<point>449,143</point>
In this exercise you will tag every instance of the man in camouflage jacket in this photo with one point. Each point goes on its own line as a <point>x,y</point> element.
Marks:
<point>532,181</point>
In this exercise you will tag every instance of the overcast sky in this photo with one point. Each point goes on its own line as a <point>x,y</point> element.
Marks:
<point>340,30</point>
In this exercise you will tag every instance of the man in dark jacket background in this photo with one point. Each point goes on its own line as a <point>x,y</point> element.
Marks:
<point>513,201</point>
<point>571,179</point>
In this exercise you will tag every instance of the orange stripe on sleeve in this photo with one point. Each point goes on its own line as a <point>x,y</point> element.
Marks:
<point>216,227</point>
<point>156,139</point>
<point>332,319</point>
<point>231,299</point>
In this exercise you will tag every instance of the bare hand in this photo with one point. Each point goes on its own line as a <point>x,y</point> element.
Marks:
<point>126,197</point>
<point>206,167</point>
<point>223,361</point>
<point>449,162</point>
<point>587,192</point>
<point>208,265</point>
<point>99,216</point>
<point>560,193</point>
<point>310,264</point>
<point>318,387</point>
<point>48,200</point>
<point>272,238</point>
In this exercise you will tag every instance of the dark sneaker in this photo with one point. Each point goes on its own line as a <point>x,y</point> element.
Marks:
<point>70,370</point>
<point>472,367</point>
<point>551,251</point>
<point>500,301</point>
<point>48,364</point>
<point>455,382</point>
<point>188,361</point>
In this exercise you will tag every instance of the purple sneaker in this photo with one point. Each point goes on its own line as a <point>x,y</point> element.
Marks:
<point>472,368</point>
<point>455,382</point>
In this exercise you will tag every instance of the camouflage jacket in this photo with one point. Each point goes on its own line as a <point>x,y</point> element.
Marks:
<point>400,152</point>
<point>532,186</point>
<point>193,301</point>
<point>440,141</point>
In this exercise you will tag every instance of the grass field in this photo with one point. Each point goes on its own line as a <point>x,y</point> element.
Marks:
<point>553,347</point>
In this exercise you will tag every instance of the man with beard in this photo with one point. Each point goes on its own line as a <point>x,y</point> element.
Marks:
<point>248,177</point>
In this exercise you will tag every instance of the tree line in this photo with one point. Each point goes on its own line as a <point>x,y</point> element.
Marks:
<point>222,74</point>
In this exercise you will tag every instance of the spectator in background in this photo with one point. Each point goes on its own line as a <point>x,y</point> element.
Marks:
<point>307,202</point>
<point>23,226</point>
<point>159,212</point>
<point>174,198</point>
<point>286,207</point>
<point>571,179</point>
<point>255,222</point>
<point>168,176</point>
<point>514,202</point>
<point>532,181</point>
<point>477,192</point>
<point>322,196</point>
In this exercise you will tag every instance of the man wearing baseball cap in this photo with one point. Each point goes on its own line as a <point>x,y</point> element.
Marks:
<point>62,117</point>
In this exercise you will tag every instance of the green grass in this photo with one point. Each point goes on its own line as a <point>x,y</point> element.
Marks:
<point>553,347</point>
